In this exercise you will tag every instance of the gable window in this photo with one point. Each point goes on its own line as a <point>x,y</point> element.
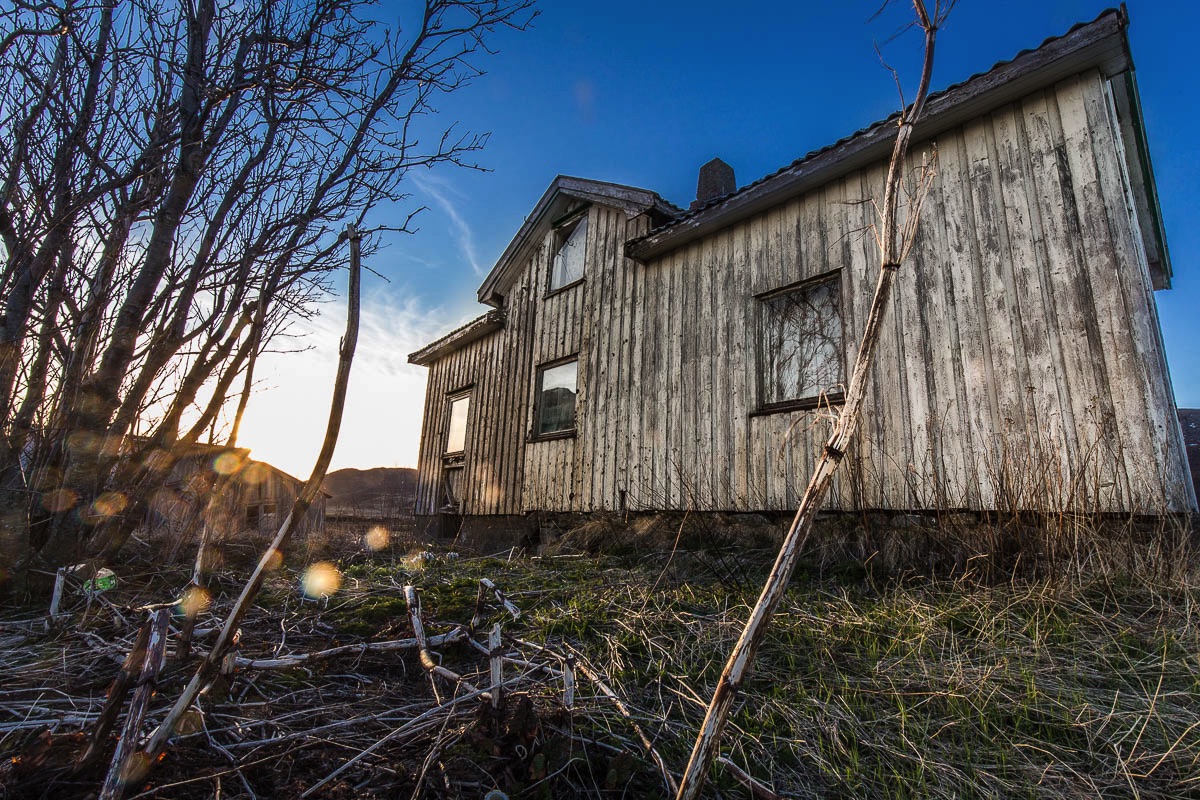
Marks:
<point>456,432</point>
<point>569,241</point>
<point>554,406</point>
<point>800,345</point>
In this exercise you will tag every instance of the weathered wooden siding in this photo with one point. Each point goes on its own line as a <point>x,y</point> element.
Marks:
<point>497,370</point>
<point>273,493</point>
<point>594,319</point>
<point>1021,366</point>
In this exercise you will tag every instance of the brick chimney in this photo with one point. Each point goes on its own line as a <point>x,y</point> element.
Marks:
<point>716,180</point>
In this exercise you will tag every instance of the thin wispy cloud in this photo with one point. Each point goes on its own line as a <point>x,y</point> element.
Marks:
<point>440,191</point>
<point>385,403</point>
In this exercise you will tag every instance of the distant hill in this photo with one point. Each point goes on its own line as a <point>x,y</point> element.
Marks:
<point>377,492</point>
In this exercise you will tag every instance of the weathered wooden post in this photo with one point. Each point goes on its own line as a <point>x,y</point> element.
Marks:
<point>569,682</point>
<point>117,691</point>
<point>126,766</point>
<point>60,578</point>
<point>496,654</point>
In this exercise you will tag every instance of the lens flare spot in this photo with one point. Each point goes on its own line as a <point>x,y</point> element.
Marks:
<point>274,560</point>
<point>135,767</point>
<point>109,504</point>
<point>321,580</point>
<point>227,463</point>
<point>59,500</point>
<point>195,599</point>
<point>377,538</point>
<point>254,473</point>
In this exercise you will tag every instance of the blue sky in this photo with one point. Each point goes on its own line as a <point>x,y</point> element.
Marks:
<point>642,93</point>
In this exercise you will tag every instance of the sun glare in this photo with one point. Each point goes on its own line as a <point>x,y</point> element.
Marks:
<point>377,538</point>
<point>321,580</point>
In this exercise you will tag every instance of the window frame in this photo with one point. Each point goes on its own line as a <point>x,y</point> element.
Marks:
<point>563,228</point>
<point>257,512</point>
<point>539,374</point>
<point>453,397</point>
<point>822,398</point>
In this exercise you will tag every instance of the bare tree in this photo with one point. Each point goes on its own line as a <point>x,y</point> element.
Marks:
<point>895,240</point>
<point>172,180</point>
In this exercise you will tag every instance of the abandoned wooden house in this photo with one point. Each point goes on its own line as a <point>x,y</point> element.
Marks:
<point>638,356</point>
<point>254,496</point>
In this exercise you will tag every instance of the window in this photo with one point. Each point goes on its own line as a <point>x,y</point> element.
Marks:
<point>800,345</point>
<point>554,410</point>
<point>257,513</point>
<point>456,433</point>
<point>569,240</point>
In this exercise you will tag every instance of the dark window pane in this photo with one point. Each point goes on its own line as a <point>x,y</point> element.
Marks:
<point>800,343</point>
<point>556,399</point>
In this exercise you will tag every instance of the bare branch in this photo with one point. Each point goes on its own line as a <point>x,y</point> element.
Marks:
<point>740,660</point>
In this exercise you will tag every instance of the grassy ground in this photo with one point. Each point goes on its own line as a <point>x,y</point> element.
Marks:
<point>917,688</point>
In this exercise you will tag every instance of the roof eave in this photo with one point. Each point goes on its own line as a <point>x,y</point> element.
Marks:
<point>1101,43</point>
<point>1128,106</point>
<point>459,338</point>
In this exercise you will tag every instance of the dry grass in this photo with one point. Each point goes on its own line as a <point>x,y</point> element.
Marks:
<point>1062,683</point>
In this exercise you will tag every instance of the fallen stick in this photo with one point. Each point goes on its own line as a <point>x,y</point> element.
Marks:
<point>383,718</point>
<point>756,787</point>
<point>486,587</point>
<point>52,724</point>
<point>595,678</point>
<point>531,666</point>
<point>126,766</point>
<point>395,645</point>
<point>117,692</point>
<point>484,583</point>
<point>425,717</point>
<point>426,658</point>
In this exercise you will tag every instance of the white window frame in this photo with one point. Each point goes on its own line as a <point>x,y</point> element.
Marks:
<point>568,265</point>
<point>452,400</point>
